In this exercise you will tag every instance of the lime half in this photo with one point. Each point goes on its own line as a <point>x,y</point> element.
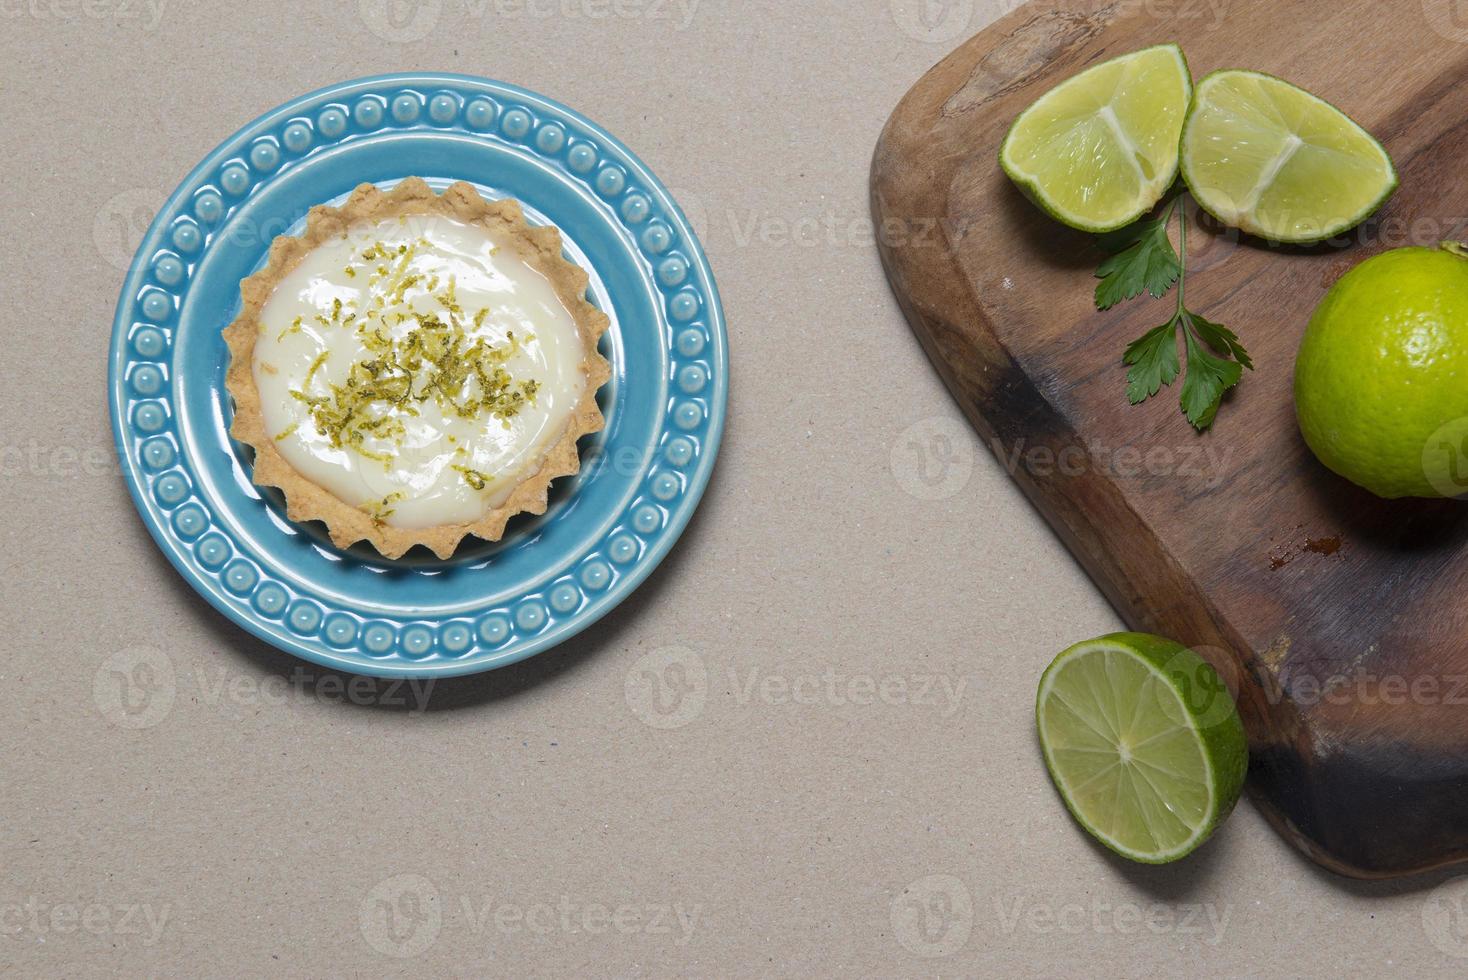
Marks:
<point>1264,156</point>
<point>1100,149</point>
<point>1144,743</point>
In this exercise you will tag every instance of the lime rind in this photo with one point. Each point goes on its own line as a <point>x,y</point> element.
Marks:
<point>1221,205</point>
<point>1046,193</point>
<point>1371,405</point>
<point>1198,804</point>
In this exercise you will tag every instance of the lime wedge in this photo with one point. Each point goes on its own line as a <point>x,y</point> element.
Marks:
<point>1144,743</point>
<point>1264,156</point>
<point>1100,149</point>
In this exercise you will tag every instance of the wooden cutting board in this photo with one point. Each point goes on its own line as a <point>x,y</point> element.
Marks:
<point>1341,618</point>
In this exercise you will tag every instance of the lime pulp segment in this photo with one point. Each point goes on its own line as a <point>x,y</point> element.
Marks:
<point>1099,150</point>
<point>1140,768</point>
<point>1271,159</point>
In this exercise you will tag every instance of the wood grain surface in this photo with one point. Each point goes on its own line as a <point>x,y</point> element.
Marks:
<point>1340,618</point>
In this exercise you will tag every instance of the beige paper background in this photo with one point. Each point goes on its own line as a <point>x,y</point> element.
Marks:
<point>549,819</point>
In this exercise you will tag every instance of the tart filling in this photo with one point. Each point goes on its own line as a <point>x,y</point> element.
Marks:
<point>415,368</point>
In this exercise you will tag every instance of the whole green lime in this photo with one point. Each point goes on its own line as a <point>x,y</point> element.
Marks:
<point>1381,382</point>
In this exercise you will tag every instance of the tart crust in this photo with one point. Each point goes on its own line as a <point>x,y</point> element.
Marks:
<point>540,247</point>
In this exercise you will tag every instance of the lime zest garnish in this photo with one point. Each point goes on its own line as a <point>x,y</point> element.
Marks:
<point>475,478</point>
<point>315,366</point>
<point>411,359</point>
<point>381,510</point>
<point>434,361</point>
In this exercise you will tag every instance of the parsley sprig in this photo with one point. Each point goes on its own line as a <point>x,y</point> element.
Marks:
<point>1140,259</point>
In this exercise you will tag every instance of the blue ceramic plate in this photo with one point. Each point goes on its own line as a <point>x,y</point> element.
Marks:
<point>491,604</point>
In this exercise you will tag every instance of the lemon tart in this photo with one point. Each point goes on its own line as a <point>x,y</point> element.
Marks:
<point>415,367</point>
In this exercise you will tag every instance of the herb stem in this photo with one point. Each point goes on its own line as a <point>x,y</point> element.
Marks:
<point>1182,252</point>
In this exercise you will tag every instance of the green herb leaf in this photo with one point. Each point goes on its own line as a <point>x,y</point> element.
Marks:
<point>1220,338</point>
<point>1140,260</point>
<point>1209,376</point>
<point>1153,360</point>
